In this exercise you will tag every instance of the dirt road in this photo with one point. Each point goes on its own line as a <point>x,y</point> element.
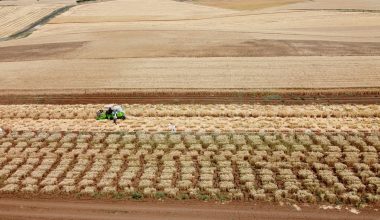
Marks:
<point>114,210</point>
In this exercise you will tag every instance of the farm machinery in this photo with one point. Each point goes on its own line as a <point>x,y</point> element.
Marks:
<point>111,112</point>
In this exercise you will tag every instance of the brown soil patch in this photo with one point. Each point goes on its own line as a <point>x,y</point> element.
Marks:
<point>261,48</point>
<point>279,48</point>
<point>37,51</point>
<point>188,96</point>
<point>50,209</point>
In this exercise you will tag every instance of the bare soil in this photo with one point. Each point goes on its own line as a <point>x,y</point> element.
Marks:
<point>53,209</point>
<point>189,96</point>
<point>37,51</point>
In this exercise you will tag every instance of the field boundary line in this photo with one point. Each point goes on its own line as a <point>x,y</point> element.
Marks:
<point>30,28</point>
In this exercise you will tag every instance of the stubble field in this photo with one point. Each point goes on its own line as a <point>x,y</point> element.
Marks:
<point>171,44</point>
<point>304,168</point>
<point>306,155</point>
<point>15,19</point>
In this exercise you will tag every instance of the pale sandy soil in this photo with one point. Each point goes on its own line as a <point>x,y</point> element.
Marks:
<point>91,44</point>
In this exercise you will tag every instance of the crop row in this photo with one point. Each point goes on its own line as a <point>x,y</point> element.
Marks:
<point>199,124</point>
<point>89,111</point>
<point>311,168</point>
<point>287,142</point>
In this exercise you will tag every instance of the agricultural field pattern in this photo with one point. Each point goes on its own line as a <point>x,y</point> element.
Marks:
<point>235,109</point>
<point>14,19</point>
<point>310,153</point>
<point>264,166</point>
<point>167,44</point>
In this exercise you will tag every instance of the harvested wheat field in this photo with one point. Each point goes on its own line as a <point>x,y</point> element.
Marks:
<point>244,157</point>
<point>17,19</point>
<point>312,154</point>
<point>275,106</point>
<point>195,118</point>
<point>172,44</point>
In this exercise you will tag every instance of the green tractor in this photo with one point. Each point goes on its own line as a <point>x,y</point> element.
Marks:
<point>113,112</point>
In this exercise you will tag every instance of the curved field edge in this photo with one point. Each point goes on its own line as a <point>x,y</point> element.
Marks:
<point>26,31</point>
<point>193,96</point>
